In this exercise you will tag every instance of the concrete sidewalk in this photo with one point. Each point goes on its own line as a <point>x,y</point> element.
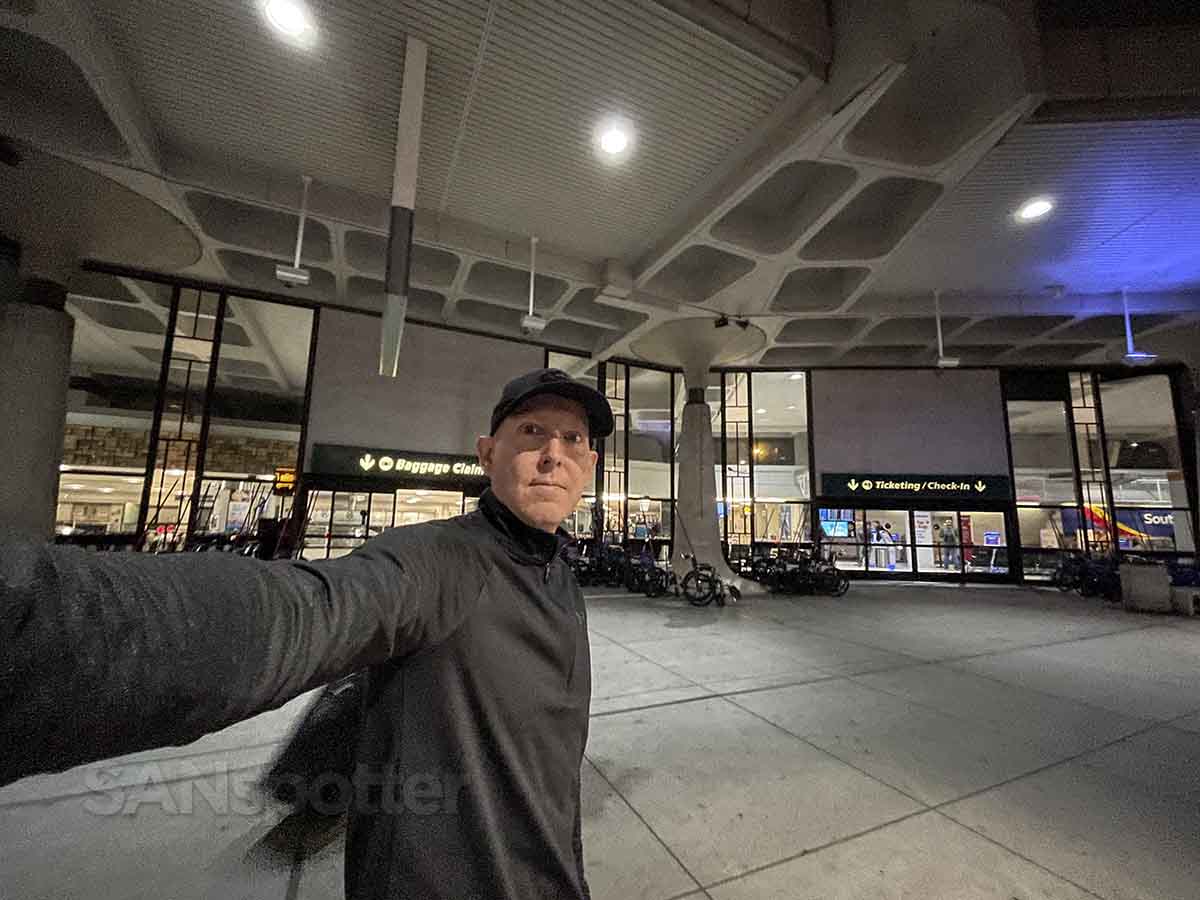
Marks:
<point>902,741</point>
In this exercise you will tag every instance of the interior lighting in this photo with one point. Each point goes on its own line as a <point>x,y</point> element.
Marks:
<point>74,487</point>
<point>106,490</point>
<point>792,406</point>
<point>1032,210</point>
<point>288,17</point>
<point>614,140</point>
<point>175,473</point>
<point>760,412</point>
<point>795,376</point>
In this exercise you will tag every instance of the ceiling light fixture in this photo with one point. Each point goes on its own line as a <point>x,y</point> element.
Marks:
<point>1032,210</point>
<point>760,412</point>
<point>943,361</point>
<point>796,376</point>
<point>288,17</point>
<point>613,138</point>
<point>1133,356</point>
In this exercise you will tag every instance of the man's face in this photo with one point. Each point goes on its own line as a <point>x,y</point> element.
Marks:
<point>539,460</point>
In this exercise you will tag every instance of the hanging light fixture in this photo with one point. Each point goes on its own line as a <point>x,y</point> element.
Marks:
<point>1132,355</point>
<point>943,361</point>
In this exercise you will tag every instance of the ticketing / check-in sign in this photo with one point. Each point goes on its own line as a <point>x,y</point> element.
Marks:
<point>874,486</point>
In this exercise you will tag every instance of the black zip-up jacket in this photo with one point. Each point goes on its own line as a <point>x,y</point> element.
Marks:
<point>474,634</point>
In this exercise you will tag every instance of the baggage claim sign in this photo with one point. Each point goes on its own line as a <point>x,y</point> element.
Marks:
<point>912,487</point>
<point>397,465</point>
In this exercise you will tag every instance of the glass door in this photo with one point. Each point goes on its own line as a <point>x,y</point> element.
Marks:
<point>888,541</point>
<point>937,540</point>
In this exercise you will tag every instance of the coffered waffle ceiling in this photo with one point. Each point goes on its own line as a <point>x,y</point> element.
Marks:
<point>824,202</point>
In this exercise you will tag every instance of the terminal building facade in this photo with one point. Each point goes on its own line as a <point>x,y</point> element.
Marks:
<point>179,429</point>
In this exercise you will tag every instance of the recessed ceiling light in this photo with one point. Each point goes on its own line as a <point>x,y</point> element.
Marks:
<point>106,490</point>
<point>796,376</point>
<point>1034,209</point>
<point>761,412</point>
<point>74,487</point>
<point>288,17</point>
<point>793,406</point>
<point>614,140</point>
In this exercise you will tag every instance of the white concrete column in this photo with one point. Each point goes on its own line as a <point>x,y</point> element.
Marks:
<point>696,523</point>
<point>35,360</point>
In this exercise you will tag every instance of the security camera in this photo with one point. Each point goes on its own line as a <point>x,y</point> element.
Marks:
<point>533,325</point>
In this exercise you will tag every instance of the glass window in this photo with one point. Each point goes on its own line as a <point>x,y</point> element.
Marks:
<point>938,541</point>
<point>782,523</point>
<point>888,540</point>
<point>256,410</point>
<point>1143,443</point>
<point>984,542</point>
<point>98,504</point>
<point>1049,528</point>
<point>116,361</point>
<point>1043,465</point>
<point>614,454</point>
<point>780,436</point>
<point>1153,529</point>
<point>649,433</point>
<point>580,523</point>
<point>648,519</point>
<point>843,532</point>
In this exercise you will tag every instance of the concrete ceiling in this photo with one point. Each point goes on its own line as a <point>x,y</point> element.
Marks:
<point>819,175</point>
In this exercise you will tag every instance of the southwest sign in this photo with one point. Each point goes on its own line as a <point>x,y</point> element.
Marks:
<point>870,486</point>
<point>400,465</point>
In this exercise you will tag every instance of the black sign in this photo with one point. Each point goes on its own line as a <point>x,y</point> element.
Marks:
<point>396,465</point>
<point>872,486</point>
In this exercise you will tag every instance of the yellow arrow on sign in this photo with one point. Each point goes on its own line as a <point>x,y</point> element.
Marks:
<point>980,486</point>
<point>852,484</point>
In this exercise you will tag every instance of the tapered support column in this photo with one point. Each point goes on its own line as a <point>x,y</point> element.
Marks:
<point>696,524</point>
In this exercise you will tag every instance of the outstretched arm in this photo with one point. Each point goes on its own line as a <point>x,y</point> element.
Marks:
<point>106,654</point>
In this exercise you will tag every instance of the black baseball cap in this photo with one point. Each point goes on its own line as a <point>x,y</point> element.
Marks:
<point>559,383</point>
